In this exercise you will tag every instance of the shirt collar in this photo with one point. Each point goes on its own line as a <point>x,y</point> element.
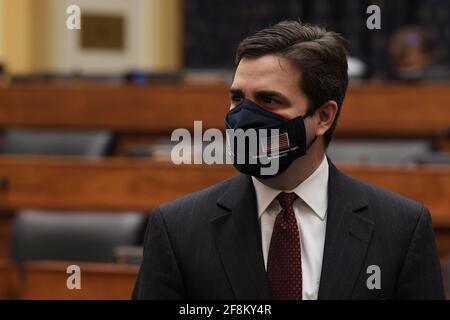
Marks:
<point>313,191</point>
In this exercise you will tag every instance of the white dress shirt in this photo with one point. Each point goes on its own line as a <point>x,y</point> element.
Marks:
<point>311,214</point>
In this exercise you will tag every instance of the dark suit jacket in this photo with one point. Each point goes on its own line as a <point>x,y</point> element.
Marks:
<point>207,245</point>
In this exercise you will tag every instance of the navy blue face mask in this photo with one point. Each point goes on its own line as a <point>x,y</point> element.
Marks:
<point>290,135</point>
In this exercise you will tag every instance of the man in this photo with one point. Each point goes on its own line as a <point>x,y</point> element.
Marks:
<point>306,232</point>
<point>414,56</point>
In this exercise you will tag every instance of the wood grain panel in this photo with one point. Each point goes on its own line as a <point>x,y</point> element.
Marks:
<point>7,280</point>
<point>47,280</point>
<point>156,108</point>
<point>370,110</point>
<point>395,110</point>
<point>124,184</point>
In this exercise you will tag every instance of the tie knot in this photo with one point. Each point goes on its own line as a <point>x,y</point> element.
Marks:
<point>286,199</point>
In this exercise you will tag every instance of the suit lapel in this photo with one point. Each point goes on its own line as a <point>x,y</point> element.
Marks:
<point>238,239</point>
<point>348,234</point>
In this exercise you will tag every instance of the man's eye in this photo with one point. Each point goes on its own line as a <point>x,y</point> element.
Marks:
<point>268,100</point>
<point>236,99</point>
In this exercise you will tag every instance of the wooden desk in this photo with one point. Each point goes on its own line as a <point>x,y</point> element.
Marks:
<point>7,280</point>
<point>116,184</point>
<point>445,274</point>
<point>389,110</point>
<point>124,184</point>
<point>395,110</point>
<point>109,184</point>
<point>47,280</point>
<point>157,108</point>
<point>443,241</point>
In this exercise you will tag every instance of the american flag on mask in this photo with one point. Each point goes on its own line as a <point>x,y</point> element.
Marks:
<point>269,145</point>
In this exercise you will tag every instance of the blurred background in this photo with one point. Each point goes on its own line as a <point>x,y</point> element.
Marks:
<point>86,118</point>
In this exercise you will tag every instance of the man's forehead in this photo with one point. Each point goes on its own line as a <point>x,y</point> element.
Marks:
<point>266,73</point>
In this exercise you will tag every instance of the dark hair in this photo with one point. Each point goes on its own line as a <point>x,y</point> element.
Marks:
<point>320,55</point>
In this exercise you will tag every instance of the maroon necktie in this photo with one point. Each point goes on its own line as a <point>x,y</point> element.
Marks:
<point>284,263</point>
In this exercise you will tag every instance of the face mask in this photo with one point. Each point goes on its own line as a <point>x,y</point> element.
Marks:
<point>279,141</point>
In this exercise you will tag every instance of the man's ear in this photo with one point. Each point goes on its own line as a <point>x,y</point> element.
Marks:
<point>325,116</point>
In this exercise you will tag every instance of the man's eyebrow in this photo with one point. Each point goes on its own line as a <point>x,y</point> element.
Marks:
<point>236,91</point>
<point>272,94</point>
<point>260,95</point>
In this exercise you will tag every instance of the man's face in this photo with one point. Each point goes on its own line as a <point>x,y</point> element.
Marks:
<point>272,82</point>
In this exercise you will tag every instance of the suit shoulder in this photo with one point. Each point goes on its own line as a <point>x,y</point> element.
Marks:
<point>389,203</point>
<point>394,199</point>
